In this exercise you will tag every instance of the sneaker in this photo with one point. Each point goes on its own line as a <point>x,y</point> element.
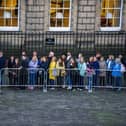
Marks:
<point>89,91</point>
<point>69,88</point>
<point>63,86</point>
<point>30,87</point>
<point>52,88</point>
<point>79,89</point>
<point>86,87</point>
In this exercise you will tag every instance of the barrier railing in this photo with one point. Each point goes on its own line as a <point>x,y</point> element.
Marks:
<point>62,78</point>
<point>74,78</point>
<point>22,78</point>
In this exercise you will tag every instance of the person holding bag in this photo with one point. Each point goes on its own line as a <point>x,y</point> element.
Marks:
<point>52,72</point>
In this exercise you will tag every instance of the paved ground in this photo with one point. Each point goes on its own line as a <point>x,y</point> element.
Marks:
<point>62,108</point>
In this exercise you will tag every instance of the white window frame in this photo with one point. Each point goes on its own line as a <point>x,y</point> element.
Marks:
<point>61,28</point>
<point>5,28</point>
<point>120,23</point>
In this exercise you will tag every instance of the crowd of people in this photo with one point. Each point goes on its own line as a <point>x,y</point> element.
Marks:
<point>65,70</point>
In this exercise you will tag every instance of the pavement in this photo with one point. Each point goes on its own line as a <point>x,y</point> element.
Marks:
<point>62,108</point>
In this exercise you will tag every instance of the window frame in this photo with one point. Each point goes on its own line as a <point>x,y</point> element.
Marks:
<point>12,28</point>
<point>60,28</point>
<point>120,22</point>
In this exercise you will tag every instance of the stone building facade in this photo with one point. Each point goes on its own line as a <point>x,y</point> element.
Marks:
<point>85,15</point>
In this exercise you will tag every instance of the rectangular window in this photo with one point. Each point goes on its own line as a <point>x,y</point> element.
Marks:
<point>9,15</point>
<point>60,15</point>
<point>111,15</point>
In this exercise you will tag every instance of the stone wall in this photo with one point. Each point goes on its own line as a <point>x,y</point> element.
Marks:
<point>86,15</point>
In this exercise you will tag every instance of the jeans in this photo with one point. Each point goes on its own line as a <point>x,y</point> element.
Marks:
<point>52,82</point>
<point>32,78</point>
<point>68,80</point>
<point>81,82</point>
<point>118,81</point>
<point>90,81</point>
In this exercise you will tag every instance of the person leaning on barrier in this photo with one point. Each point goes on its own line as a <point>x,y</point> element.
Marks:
<point>43,66</point>
<point>23,72</point>
<point>110,64</point>
<point>52,73</point>
<point>117,74</point>
<point>16,71</point>
<point>82,72</point>
<point>102,71</point>
<point>60,66</point>
<point>90,72</point>
<point>11,73</point>
<point>33,65</point>
<point>96,68</point>
<point>2,65</point>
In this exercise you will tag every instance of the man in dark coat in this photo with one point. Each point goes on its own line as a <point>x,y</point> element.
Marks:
<point>2,65</point>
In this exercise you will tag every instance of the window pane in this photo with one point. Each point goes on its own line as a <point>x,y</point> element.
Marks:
<point>15,13</point>
<point>15,22</point>
<point>8,22</point>
<point>2,3</point>
<point>66,3</point>
<point>116,12</point>
<point>1,22</point>
<point>11,3</point>
<point>59,13</point>
<point>1,12</point>
<point>117,4</point>
<point>59,22</point>
<point>53,22</point>
<point>66,13</point>
<point>53,3</point>
<point>116,22</point>
<point>110,11</point>
<point>66,23</point>
<point>53,12</point>
<point>59,3</point>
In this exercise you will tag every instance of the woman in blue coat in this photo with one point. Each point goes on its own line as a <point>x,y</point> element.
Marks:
<point>117,74</point>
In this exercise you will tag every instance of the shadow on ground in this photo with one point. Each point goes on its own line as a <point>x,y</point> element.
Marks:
<point>62,108</point>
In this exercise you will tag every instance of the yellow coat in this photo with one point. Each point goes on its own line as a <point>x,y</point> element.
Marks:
<point>51,67</point>
<point>60,69</point>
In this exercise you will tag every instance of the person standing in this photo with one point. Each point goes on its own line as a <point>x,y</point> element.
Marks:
<point>2,65</point>
<point>24,71</point>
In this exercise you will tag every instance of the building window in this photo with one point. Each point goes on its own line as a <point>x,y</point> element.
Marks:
<point>9,15</point>
<point>60,15</point>
<point>111,15</point>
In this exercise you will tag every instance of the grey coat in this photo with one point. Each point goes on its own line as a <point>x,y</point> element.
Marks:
<point>103,68</point>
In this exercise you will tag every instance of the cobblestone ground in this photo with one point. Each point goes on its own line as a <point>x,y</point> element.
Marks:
<point>62,108</point>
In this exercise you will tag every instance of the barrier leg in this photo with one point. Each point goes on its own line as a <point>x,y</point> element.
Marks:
<point>45,82</point>
<point>1,82</point>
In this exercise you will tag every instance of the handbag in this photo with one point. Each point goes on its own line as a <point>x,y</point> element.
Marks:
<point>55,72</point>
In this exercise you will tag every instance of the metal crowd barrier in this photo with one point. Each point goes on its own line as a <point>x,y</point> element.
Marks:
<point>61,78</point>
<point>23,78</point>
<point>73,78</point>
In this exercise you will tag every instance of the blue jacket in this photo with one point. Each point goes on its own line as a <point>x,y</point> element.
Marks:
<point>96,66</point>
<point>116,72</point>
<point>43,65</point>
<point>112,64</point>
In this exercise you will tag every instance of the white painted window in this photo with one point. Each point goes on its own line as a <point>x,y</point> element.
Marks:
<point>60,15</point>
<point>111,15</point>
<point>9,15</point>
